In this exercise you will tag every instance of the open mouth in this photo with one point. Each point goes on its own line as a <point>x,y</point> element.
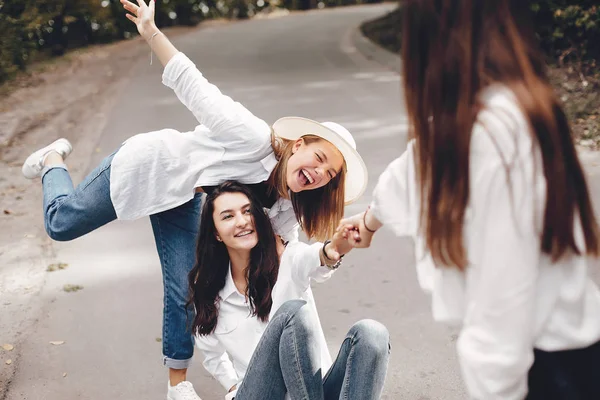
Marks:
<point>305,178</point>
<point>244,233</point>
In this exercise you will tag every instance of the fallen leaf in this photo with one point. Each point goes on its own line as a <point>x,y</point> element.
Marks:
<point>64,374</point>
<point>159,339</point>
<point>8,347</point>
<point>72,288</point>
<point>57,342</point>
<point>7,212</point>
<point>8,362</point>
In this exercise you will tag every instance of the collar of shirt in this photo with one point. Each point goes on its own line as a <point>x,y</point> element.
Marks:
<point>230,292</point>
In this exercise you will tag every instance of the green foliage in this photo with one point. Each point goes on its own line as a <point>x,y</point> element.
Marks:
<point>41,28</point>
<point>569,29</point>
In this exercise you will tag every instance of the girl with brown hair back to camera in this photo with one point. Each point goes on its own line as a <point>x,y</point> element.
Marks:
<point>493,192</point>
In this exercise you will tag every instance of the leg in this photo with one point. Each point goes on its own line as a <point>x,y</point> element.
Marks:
<point>565,375</point>
<point>175,233</point>
<point>72,212</point>
<point>287,358</point>
<point>360,368</point>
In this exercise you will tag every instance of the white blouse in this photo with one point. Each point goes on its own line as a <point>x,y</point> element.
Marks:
<point>511,298</point>
<point>228,350</point>
<point>158,171</point>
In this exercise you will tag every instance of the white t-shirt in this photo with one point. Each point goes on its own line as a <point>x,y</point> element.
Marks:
<point>228,350</point>
<point>158,171</point>
<point>511,298</point>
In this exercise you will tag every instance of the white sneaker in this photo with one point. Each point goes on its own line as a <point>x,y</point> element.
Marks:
<point>33,166</point>
<point>182,391</point>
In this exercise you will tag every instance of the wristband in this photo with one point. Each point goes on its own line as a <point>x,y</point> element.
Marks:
<point>365,221</point>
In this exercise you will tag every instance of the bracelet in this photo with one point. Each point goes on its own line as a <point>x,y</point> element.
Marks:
<point>152,37</point>
<point>337,264</point>
<point>365,221</point>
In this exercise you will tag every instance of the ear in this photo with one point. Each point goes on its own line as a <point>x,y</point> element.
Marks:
<point>297,145</point>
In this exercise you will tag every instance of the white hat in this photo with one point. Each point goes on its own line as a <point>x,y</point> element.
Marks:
<point>294,128</point>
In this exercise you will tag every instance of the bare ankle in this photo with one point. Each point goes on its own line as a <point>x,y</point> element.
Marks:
<point>176,376</point>
<point>53,158</point>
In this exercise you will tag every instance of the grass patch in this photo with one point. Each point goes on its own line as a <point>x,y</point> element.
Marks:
<point>57,267</point>
<point>72,288</point>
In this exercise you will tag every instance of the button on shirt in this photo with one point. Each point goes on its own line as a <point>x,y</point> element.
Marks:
<point>158,171</point>
<point>228,350</point>
<point>511,298</point>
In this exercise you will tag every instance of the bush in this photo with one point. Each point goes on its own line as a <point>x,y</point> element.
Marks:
<point>569,29</point>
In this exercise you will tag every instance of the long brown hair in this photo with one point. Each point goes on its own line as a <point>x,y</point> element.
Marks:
<point>452,50</point>
<point>318,210</point>
<point>208,276</point>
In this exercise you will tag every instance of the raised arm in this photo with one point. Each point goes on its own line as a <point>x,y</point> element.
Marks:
<point>142,15</point>
<point>225,118</point>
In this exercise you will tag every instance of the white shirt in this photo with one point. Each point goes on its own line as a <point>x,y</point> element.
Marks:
<point>511,298</point>
<point>228,350</point>
<point>158,171</point>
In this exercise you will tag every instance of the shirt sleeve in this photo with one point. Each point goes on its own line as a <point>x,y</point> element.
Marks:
<point>284,221</point>
<point>225,118</point>
<point>306,264</point>
<point>495,345</point>
<point>216,360</point>
<point>393,196</point>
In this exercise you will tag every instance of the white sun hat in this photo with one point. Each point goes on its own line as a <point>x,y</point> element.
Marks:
<point>294,128</point>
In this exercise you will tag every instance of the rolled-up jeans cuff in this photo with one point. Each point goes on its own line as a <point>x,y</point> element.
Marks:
<point>50,167</point>
<point>176,364</point>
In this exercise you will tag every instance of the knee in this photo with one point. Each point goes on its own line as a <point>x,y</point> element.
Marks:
<point>60,235</point>
<point>58,230</point>
<point>291,308</point>
<point>372,335</point>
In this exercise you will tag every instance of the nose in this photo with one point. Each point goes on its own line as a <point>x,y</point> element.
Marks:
<point>241,220</point>
<point>320,171</point>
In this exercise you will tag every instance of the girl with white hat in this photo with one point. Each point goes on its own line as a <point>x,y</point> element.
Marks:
<point>303,171</point>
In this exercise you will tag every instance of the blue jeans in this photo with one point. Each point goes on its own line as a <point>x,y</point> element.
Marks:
<point>287,360</point>
<point>71,212</point>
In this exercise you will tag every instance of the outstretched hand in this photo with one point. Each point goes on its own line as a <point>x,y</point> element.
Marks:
<point>142,15</point>
<point>358,235</point>
<point>340,244</point>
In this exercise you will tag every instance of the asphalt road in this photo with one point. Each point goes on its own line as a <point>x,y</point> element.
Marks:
<point>303,64</point>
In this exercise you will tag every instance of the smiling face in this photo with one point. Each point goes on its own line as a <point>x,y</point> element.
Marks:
<point>234,223</point>
<point>312,164</point>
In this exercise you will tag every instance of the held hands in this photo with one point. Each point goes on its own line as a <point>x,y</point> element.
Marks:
<point>358,236</point>
<point>340,243</point>
<point>142,15</point>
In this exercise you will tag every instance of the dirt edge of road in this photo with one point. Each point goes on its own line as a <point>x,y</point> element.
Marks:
<point>69,97</point>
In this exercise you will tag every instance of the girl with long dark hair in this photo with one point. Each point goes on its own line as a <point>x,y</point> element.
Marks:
<point>256,320</point>
<point>493,192</point>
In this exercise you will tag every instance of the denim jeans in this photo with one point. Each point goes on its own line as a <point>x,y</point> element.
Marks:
<point>71,212</point>
<point>287,360</point>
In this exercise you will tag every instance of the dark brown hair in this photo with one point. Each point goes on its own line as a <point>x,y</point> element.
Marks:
<point>318,210</point>
<point>451,51</point>
<point>208,276</point>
